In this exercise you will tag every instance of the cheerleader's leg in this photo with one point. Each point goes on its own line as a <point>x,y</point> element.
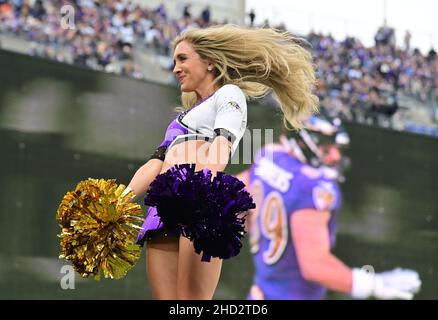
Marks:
<point>197,280</point>
<point>162,266</point>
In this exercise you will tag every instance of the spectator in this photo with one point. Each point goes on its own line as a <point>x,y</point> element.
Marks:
<point>407,40</point>
<point>205,16</point>
<point>186,11</point>
<point>252,16</point>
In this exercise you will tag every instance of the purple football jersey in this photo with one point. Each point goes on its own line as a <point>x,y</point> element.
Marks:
<point>281,185</point>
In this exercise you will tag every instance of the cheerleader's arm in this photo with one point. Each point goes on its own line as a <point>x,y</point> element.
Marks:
<point>218,155</point>
<point>146,174</point>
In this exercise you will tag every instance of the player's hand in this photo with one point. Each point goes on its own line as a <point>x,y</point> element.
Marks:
<point>395,284</point>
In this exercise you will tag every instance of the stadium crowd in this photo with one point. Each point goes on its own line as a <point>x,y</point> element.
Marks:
<point>103,34</point>
<point>363,82</point>
<point>360,83</point>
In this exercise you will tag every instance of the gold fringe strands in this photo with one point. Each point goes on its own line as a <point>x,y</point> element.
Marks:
<point>99,228</point>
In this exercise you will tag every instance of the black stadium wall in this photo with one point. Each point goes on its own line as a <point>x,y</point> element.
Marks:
<point>61,124</point>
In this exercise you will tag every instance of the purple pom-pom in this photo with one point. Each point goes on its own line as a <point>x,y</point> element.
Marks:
<point>205,211</point>
<point>175,194</point>
<point>224,229</point>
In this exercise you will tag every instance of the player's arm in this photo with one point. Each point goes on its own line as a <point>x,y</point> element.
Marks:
<point>310,236</point>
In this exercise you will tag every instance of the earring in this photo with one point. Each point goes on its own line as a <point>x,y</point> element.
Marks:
<point>209,68</point>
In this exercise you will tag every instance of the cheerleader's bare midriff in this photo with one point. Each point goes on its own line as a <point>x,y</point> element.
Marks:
<point>192,151</point>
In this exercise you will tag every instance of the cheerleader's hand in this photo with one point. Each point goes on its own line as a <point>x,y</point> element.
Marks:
<point>126,191</point>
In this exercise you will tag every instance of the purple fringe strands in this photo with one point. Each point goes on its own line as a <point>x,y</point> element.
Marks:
<point>211,213</point>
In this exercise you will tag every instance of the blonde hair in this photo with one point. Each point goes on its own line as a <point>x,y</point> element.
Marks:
<point>258,61</point>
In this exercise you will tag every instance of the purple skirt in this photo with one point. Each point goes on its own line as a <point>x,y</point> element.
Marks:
<point>152,227</point>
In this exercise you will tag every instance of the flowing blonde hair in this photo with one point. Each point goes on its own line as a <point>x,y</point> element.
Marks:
<point>258,61</point>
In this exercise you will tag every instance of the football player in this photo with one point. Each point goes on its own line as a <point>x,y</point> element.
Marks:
<point>295,185</point>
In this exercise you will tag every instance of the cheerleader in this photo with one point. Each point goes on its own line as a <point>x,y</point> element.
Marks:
<point>218,68</point>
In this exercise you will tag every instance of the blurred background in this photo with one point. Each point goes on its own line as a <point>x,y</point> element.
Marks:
<point>89,95</point>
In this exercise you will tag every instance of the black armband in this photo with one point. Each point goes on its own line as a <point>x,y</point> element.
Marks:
<point>225,133</point>
<point>160,153</point>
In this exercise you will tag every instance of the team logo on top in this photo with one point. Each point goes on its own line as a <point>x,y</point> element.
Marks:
<point>235,105</point>
<point>324,196</point>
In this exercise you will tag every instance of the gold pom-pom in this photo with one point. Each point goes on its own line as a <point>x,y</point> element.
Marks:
<point>99,228</point>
